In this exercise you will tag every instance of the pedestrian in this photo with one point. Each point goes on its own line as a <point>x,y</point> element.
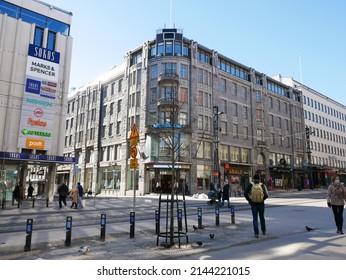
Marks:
<point>336,197</point>
<point>225,194</point>
<point>256,193</point>
<point>74,197</point>
<point>80,194</point>
<point>16,193</point>
<point>63,193</point>
<point>30,191</point>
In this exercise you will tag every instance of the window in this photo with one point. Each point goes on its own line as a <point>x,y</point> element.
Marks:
<point>120,85</point>
<point>153,95</point>
<point>119,106</point>
<point>111,108</point>
<point>245,112</point>
<point>223,106</point>
<point>246,132</point>
<point>235,130</point>
<point>234,109</point>
<point>118,127</point>
<point>258,96</point>
<point>153,72</point>
<point>234,89</point>
<point>38,38</point>
<point>223,85</point>
<point>177,48</point>
<point>169,48</point>
<point>51,40</point>
<point>183,95</point>
<point>110,131</point>
<point>183,71</point>
<point>200,76</point>
<point>259,115</point>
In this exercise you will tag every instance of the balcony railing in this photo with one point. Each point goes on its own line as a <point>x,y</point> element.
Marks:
<point>168,76</point>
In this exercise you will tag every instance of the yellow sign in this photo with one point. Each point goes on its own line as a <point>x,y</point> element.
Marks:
<point>133,141</point>
<point>134,152</point>
<point>134,163</point>
<point>134,132</point>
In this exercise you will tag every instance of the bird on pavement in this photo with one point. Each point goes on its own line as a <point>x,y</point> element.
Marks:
<point>212,235</point>
<point>309,228</point>
<point>194,227</point>
<point>84,249</point>
<point>199,243</point>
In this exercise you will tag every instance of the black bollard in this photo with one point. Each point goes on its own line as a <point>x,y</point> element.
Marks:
<point>232,214</point>
<point>199,215</point>
<point>103,227</point>
<point>29,224</point>
<point>132,224</point>
<point>217,215</point>
<point>3,201</point>
<point>47,202</point>
<point>180,219</point>
<point>33,202</point>
<point>68,231</point>
<point>157,221</point>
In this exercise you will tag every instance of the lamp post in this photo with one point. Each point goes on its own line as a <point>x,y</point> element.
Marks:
<point>216,129</point>
<point>308,133</point>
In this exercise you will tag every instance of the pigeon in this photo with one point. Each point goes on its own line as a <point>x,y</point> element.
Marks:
<point>199,243</point>
<point>212,235</point>
<point>309,228</point>
<point>194,227</point>
<point>84,249</point>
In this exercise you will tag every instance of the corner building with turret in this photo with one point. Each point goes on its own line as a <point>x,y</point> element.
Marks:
<point>201,117</point>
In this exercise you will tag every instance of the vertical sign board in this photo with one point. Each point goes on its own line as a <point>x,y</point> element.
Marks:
<point>37,129</point>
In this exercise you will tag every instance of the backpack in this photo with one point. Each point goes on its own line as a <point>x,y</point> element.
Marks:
<point>257,193</point>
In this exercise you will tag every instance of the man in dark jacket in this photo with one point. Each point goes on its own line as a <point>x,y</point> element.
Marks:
<point>257,208</point>
<point>225,194</point>
<point>63,192</point>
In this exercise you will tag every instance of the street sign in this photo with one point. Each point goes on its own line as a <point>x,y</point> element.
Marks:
<point>134,132</point>
<point>134,152</point>
<point>134,163</point>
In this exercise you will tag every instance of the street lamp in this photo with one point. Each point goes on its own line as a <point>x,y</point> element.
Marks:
<point>216,129</point>
<point>308,132</point>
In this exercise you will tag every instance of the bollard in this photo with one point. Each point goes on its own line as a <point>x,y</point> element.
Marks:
<point>232,214</point>
<point>157,222</point>
<point>68,230</point>
<point>217,215</point>
<point>199,215</point>
<point>29,224</point>
<point>180,219</point>
<point>12,200</point>
<point>47,201</point>
<point>132,224</point>
<point>103,227</point>
<point>33,202</point>
<point>3,201</point>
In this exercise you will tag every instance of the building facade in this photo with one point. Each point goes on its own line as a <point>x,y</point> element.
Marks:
<point>35,57</point>
<point>201,117</point>
<point>326,134</point>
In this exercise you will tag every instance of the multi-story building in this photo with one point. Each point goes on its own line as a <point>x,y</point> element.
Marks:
<point>326,133</point>
<point>201,117</point>
<point>35,56</point>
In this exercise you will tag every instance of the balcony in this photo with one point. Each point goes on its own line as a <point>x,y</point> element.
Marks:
<point>169,77</point>
<point>167,103</point>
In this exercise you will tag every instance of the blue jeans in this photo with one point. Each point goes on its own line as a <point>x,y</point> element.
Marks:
<point>258,210</point>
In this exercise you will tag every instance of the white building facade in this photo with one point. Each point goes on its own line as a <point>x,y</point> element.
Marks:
<point>325,121</point>
<point>35,58</point>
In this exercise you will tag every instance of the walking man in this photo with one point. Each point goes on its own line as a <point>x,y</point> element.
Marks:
<point>63,192</point>
<point>256,193</point>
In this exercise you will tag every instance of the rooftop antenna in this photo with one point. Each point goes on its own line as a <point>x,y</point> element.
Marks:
<point>170,13</point>
<point>300,69</point>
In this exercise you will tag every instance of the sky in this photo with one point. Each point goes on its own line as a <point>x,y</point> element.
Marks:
<point>302,39</point>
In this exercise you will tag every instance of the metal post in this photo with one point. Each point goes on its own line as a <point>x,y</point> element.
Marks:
<point>103,227</point>
<point>29,224</point>
<point>132,224</point>
<point>68,231</point>
<point>232,214</point>
<point>33,202</point>
<point>180,218</point>
<point>157,221</point>
<point>47,202</point>
<point>199,215</point>
<point>217,215</point>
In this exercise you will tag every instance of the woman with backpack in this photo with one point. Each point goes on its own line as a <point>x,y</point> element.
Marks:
<point>256,193</point>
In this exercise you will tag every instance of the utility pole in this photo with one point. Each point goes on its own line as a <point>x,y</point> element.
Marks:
<point>308,151</point>
<point>216,163</point>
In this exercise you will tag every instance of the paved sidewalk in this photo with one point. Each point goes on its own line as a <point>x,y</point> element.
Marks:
<point>118,244</point>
